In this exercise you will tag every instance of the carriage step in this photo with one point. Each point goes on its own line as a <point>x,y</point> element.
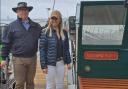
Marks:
<point>93,83</point>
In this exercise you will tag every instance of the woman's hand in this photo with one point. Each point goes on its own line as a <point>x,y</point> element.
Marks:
<point>69,66</point>
<point>45,71</point>
<point>49,23</point>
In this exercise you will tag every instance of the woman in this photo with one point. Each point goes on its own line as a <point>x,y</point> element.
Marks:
<point>54,52</point>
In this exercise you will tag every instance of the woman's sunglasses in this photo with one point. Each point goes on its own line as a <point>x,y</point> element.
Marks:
<point>54,18</point>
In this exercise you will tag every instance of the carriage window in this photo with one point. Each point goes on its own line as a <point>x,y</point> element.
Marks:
<point>103,25</point>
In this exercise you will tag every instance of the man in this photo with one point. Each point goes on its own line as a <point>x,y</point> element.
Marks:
<point>21,39</point>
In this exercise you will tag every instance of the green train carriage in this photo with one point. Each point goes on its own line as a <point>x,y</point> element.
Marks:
<point>102,44</point>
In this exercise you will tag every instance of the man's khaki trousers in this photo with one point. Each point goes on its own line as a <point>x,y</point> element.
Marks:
<point>24,72</point>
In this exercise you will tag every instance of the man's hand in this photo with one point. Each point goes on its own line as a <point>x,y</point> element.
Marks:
<point>45,71</point>
<point>3,64</point>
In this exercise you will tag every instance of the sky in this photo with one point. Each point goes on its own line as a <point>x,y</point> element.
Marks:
<point>66,7</point>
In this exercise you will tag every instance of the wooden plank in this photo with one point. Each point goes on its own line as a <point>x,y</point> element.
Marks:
<point>93,83</point>
<point>39,78</point>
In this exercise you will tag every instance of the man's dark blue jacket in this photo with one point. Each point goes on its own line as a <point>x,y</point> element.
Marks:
<point>18,40</point>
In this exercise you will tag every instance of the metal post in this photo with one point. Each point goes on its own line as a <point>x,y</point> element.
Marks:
<point>53,5</point>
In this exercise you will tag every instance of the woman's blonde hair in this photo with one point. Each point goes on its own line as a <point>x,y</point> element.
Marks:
<point>60,26</point>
